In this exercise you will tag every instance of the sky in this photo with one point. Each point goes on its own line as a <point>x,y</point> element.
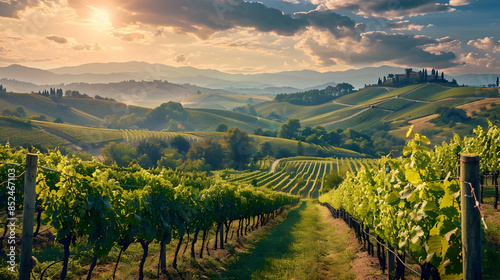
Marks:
<point>236,36</point>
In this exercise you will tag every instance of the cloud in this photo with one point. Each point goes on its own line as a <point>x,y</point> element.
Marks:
<point>338,25</point>
<point>129,37</point>
<point>200,17</point>
<point>180,58</point>
<point>59,40</point>
<point>375,47</point>
<point>11,9</point>
<point>444,45</point>
<point>460,2</point>
<point>404,25</point>
<point>88,47</point>
<point>389,9</point>
<point>205,17</point>
<point>486,44</point>
<point>476,63</point>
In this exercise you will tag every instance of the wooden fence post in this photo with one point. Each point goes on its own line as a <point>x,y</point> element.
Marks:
<point>28,216</point>
<point>471,218</point>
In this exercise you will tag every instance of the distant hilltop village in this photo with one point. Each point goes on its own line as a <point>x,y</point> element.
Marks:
<point>412,77</point>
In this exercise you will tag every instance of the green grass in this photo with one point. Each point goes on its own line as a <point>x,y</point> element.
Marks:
<point>288,144</point>
<point>363,95</point>
<point>90,135</point>
<point>418,110</point>
<point>462,92</point>
<point>208,120</point>
<point>362,121</point>
<point>18,133</point>
<point>288,110</point>
<point>427,92</point>
<point>220,101</point>
<point>304,246</point>
<point>394,104</point>
<point>35,104</point>
<point>102,108</point>
<point>331,117</point>
<point>239,117</point>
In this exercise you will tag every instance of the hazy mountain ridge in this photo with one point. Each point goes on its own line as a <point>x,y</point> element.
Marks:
<point>120,71</point>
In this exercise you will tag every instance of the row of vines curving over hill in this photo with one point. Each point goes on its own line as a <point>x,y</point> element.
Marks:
<point>300,176</point>
<point>111,206</point>
<point>415,205</point>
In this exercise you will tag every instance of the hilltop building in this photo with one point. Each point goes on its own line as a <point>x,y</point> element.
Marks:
<point>412,77</point>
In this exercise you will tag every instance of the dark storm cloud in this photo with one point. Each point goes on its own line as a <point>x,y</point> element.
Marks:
<point>390,8</point>
<point>205,17</point>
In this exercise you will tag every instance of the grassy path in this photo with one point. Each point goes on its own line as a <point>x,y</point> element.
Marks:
<point>304,246</point>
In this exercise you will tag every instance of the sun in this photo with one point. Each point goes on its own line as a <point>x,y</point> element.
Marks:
<point>100,18</point>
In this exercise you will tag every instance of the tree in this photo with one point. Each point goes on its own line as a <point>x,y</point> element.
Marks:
<point>210,151</point>
<point>290,129</point>
<point>122,153</point>
<point>497,81</point>
<point>300,148</point>
<point>385,79</point>
<point>379,81</point>
<point>265,148</point>
<point>152,148</point>
<point>240,147</point>
<point>222,127</point>
<point>21,111</point>
<point>181,144</point>
<point>58,120</point>
<point>334,138</point>
<point>7,112</point>
<point>161,115</point>
<point>331,181</point>
<point>442,76</point>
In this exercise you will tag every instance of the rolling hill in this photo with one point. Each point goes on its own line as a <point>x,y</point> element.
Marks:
<point>364,110</point>
<point>372,106</point>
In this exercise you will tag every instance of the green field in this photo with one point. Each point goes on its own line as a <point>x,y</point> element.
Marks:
<point>102,108</point>
<point>425,92</point>
<point>368,107</point>
<point>19,133</point>
<point>89,135</point>
<point>35,104</point>
<point>221,101</point>
<point>366,94</point>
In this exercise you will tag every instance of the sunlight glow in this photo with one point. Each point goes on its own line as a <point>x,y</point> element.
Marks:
<point>100,18</point>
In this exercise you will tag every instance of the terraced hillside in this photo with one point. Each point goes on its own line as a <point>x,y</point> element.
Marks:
<point>299,176</point>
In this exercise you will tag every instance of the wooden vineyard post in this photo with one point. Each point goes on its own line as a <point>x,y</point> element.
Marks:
<point>28,215</point>
<point>471,218</point>
<point>495,180</point>
<point>391,270</point>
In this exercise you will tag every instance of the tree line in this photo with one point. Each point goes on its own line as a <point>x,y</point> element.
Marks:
<point>58,92</point>
<point>315,96</point>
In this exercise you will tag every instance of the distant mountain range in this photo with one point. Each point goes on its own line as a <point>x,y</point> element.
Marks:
<point>120,71</point>
<point>115,80</point>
